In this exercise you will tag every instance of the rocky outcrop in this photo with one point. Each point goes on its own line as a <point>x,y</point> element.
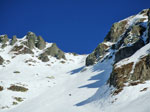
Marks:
<point>34,41</point>
<point>127,40</point>
<point>97,54</point>
<point>13,40</point>
<point>116,31</point>
<point>123,74</point>
<point>120,75</point>
<point>128,51</point>
<point>21,50</point>
<point>1,60</point>
<point>4,39</point>
<point>148,27</point>
<point>142,70</point>
<point>41,44</point>
<point>52,51</point>
<point>31,37</point>
<point>44,57</point>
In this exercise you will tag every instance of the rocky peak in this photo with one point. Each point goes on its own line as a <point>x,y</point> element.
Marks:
<point>41,44</point>
<point>128,34</point>
<point>126,38</point>
<point>4,39</point>
<point>52,51</point>
<point>13,40</point>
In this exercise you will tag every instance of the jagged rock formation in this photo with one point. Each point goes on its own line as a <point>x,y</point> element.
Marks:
<point>148,27</point>
<point>13,40</point>
<point>1,60</point>
<point>124,35</point>
<point>97,54</point>
<point>123,74</point>
<point>127,37</point>
<point>52,51</point>
<point>128,51</point>
<point>116,31</point>
<point>32,42</point>
<point>41,44</point>
<point>4,39</point>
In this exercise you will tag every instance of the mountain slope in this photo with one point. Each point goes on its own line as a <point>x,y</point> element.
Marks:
<point>37,76</point>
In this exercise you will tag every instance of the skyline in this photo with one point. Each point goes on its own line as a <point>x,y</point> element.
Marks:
<point>75,26</point>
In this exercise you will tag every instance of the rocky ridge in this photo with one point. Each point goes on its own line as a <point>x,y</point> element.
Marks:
<point>125,38</point>
<point>29,44</point>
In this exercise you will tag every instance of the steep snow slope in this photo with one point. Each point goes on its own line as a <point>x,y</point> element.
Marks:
<point>74,88</point>
<point>65,84</point>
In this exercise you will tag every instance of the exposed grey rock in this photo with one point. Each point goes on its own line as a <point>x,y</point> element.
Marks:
<point>21,50</point>
<point>131,35</point>
<point>126,52</point>
<point>41,44</point>
<point>91,59</point>
<point>116,31</point>
<point>31,39</point>
<point>148,27</point>
<point>44,57</point>
<point>142,70</point>
<point>4,39</point>
<point>121,75</point>
<point>13,40</point>
<point>98,53</point>
<point>55,51</point>
<point>3,46</point>
<point>52,51</point>
<point>1,60</point>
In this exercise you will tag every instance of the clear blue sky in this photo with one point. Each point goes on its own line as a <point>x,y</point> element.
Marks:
<point>75,25</point>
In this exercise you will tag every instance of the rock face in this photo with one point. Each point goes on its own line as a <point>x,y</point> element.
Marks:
<point>127,36</point>
<point>31,37</point>
<point>97,54</point>
<point>148,27</point>
<point>127,39</point>
<point>41,44</point>
<point>116,31</point>
<point>121,75</point>
<point>1,60</point>
<point>34,41</point>
<point>52,51</point>
<point>128,51</point>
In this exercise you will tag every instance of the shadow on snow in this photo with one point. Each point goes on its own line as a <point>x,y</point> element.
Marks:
<point>101,78</point>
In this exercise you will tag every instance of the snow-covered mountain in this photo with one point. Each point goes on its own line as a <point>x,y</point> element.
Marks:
<point>36,76</point>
